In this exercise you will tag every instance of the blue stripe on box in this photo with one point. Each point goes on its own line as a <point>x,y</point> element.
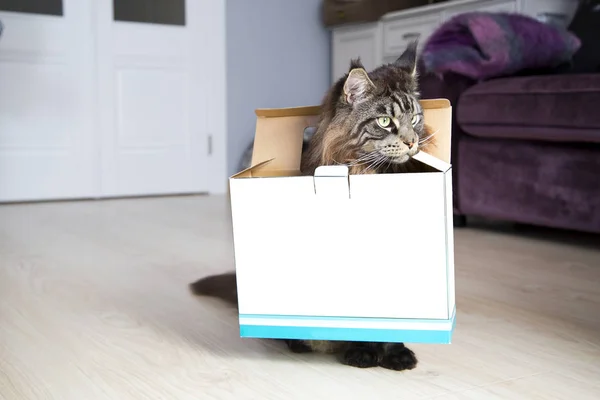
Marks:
<point>352,319</point>
<point>430,336</point>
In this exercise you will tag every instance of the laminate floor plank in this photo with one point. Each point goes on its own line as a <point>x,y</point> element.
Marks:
<point>94,305</point>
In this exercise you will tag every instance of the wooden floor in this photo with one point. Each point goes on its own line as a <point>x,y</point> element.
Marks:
<point>94,305</point>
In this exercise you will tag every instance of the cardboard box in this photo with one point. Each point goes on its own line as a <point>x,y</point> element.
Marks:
<point>339,257</point>
<point>340,12</point>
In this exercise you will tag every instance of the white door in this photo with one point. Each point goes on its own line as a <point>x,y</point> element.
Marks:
<point>153,73</point>
<point>46,100</point>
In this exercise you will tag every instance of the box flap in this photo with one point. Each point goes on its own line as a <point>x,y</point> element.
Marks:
<point>279,134</point>
<point>288,112</point>
<point>247,173</point>
<point>331,171</point>
<point>331,182</point>
<point>432,161</point>
<point>438,121</point>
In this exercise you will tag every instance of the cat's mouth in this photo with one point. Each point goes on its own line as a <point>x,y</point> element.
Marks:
<point>397,156</point>
<point>398,159</point>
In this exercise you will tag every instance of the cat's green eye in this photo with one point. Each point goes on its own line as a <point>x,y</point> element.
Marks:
<point>414,120</point>
<point>384,122</point>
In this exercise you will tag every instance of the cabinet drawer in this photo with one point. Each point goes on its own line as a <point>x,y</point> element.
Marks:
<point>556,12</point>
<point>509,6</point>
<point>348,44</point>
<point>397,34</point>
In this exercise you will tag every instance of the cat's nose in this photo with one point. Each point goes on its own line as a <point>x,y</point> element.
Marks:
<point>409,144</point>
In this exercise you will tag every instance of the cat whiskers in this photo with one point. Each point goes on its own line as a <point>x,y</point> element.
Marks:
<point>364,159</point>
<point>427,138</point>
<point>379,161</point>
<point>372,160</point>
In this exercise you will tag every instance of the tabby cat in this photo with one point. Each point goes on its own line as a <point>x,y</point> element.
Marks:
<point>372,122</point>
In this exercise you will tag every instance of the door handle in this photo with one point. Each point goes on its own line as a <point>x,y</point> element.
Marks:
<point>411,35</point>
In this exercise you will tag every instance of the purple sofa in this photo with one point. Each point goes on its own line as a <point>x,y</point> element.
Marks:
<point>525,149</point>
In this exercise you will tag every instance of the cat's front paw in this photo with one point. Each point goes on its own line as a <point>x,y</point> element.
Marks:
<point>399,358</point>
<point>360,357</point>
<point>297,346</point>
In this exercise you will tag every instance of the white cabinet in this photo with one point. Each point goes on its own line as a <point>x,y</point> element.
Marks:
<point>558,12</point>
<point>397,34</point>
<point>100,101</point>
<point>363,41</point>
<point>383,41</point>
<point>509,6</point>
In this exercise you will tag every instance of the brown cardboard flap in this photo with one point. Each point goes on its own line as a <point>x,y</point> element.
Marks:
<point>249,172</point>
<point>279,134</point>
<point>435,103</point>
<point>259,171</point>
<point>288,112</point>
<point>438,121</point>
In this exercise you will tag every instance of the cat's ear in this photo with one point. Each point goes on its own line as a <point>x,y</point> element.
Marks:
<point>357,86</point>
<point>408,60</point>
<point>355,63</point>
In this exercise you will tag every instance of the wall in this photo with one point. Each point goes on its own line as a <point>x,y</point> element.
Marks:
<point>278,55</point>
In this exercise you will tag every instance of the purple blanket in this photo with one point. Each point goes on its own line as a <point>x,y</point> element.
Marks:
<point>487,45</point>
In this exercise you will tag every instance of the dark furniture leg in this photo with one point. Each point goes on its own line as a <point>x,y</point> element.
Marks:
<point>460,221</point>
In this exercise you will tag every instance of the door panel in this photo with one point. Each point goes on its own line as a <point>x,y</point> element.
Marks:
<point>92,107</point>
<point>152,102</point>
<point>168,12</point>
<point>46,101</point>
<point>44,7</point>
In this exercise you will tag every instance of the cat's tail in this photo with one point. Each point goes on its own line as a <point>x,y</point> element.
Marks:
<point>221,286</point>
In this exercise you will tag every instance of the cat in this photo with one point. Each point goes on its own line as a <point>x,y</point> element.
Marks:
<point>372,122</point>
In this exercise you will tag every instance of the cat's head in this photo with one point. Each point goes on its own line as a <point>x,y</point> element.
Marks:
<point>380,110</point>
